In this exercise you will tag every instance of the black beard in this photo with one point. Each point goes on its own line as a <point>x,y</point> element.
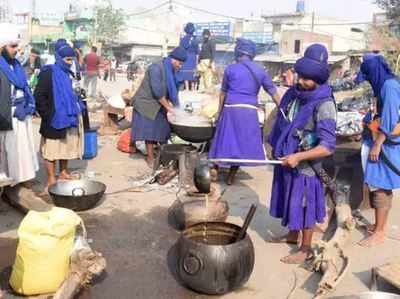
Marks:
<point>7,56</point>
<point>299,87</point>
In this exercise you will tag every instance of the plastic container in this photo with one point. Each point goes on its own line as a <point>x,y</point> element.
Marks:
<point>90,151</point>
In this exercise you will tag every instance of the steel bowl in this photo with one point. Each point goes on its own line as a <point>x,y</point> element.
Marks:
<point>77,195</point>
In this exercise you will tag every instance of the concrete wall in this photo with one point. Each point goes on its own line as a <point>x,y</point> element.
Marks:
<point>45,31</point>
<point>288,38</point>
<point>344,39</point>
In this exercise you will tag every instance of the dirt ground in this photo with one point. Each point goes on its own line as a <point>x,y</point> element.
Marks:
<point>132,232</point>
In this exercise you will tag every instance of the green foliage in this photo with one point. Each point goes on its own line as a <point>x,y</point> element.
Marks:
<point>389,34</point>
<point>392,8</point>
<point>108,22</point>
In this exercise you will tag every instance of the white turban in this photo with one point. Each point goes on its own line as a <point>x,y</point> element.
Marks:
<point>9,34</point>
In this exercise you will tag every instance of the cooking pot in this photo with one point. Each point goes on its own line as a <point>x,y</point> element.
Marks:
<point>77,195</point>
<point>211,261</point>
<point>191,127</point>
<point>202,177</point>
<point>186,213</point>
<point>195,134</point>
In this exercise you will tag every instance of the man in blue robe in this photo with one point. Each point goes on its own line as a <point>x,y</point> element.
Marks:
<point>381,149</point>
<point>303,135</point>
<point>156,96</point>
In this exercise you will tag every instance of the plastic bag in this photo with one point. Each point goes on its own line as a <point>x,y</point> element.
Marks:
<point>45,244</point>
<point>124,142</point>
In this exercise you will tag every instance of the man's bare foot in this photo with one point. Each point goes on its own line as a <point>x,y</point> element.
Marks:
<point>297,258</point>
<point>64,175</point>
<point>292,238</point>
<point>375,239</point>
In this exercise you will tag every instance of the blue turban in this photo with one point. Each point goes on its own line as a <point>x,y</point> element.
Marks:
<point>78,44</point>
<point>314,65</point>
<point>245,47</point>
<point>59,43</point>
<point>66,51</point>
<point>376,71</point>
<point>179,53</point>
<point>190,28</point>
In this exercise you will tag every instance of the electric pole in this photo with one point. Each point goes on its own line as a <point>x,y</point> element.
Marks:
<point>33,7</point>
<point>313,21</point>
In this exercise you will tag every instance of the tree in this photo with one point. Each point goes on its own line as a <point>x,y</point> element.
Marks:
<point>388,33</point>
<point>391,7</point>
<point>108,22</point>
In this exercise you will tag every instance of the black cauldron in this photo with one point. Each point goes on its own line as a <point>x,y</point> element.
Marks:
<point>211,261</point>
<point>186,213</point>
<point>194,134</point>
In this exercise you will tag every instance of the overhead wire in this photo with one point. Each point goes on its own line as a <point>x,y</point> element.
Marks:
<point>178,3</point>
<point>330,24</point>
<point>241,18</point>
<point>338,36</point>
<point>208,12</point>
<point>148,10</point>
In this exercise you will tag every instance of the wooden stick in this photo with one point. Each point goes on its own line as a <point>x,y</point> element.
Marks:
<point>266,162</point>
<point>85,264</point>
<point>70,287</point>
<point>25,199</point>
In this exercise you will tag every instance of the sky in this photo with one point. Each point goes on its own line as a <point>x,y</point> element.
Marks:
<point>352,10</point>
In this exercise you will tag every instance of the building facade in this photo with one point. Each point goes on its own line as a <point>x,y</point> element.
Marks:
<point>345,36</point>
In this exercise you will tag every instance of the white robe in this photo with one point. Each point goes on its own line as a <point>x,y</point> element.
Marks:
<point>18,158</point>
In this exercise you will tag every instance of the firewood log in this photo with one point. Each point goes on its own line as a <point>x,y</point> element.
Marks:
<point>25,199</point>
<point>330,258</point>
<point>85,265</point>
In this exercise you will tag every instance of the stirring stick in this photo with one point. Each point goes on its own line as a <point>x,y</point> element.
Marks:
<point>266,162</point>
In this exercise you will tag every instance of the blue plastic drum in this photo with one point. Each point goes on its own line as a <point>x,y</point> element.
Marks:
<point>90,151</point>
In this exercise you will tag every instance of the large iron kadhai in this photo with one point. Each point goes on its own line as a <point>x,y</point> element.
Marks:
<point>77,195</point>
<point>211,260</point>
